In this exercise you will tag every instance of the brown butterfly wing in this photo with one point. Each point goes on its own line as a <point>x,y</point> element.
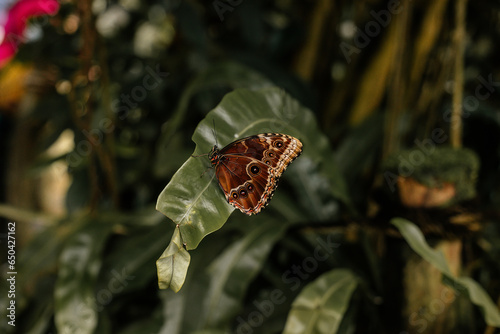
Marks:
<point>248,169</point>
<point>244,192</point>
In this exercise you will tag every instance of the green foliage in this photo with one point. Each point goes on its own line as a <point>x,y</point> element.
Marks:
<point>321,305</point>
<point>199,208</point>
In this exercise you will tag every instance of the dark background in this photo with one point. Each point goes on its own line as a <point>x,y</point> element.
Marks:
<point>377,75</point>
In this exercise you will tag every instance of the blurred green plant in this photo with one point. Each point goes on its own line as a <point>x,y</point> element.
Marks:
<point>474,291</point>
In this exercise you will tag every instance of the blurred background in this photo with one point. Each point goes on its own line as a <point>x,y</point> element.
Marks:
<point>99,100</point>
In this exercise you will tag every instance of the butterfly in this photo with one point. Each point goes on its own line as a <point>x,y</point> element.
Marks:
<point>248,169</point>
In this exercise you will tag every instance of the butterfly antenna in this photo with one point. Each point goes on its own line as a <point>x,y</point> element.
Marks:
<point>199,155</point>
<point>215,133</point>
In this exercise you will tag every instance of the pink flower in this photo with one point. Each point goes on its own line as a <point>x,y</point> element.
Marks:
<point>15,24</point>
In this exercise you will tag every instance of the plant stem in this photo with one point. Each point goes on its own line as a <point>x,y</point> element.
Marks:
<point>458,89</point>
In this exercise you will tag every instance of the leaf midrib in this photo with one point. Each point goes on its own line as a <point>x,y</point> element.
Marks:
<point>190,207</point>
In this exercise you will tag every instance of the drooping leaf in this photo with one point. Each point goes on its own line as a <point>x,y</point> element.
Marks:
<point>321,305</point>
<point>80,261</point>
<point>416,240</point>
<point>173,264</point>
<point>412,234</point>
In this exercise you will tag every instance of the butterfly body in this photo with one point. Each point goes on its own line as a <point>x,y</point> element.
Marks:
<point>248,169</point>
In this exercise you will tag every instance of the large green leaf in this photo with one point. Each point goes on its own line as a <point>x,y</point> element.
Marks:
<point>193,200</point>
<point>75,303</point>
<point>476,293</point>
<point>321,305</point>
